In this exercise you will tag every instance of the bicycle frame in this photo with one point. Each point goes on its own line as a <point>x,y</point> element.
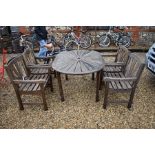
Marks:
<point>113,35</point>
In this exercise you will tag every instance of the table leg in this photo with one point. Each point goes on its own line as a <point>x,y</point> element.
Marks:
<point>60,86</point>
<point>97,85</point>
<point>66,76</point>
<point>101,78</point>
<point>93,74</point>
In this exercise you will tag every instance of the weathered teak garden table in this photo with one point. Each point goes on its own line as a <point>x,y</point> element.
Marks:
<point>78,62</point>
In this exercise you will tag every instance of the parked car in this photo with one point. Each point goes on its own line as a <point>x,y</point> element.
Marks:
<point>150,59</point>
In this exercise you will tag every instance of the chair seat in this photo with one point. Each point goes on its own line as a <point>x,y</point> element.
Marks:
<point>33,87</point>
<point>118,85</point>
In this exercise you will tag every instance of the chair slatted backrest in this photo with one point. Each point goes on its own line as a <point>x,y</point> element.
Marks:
<point>16,68</point>
<point>29,57</point>
<point>122,54</point>
<point>134,66</point>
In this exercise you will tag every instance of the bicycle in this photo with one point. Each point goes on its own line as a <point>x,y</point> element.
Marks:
<point>118,38</point>
<point>19,41</point>
<point>71,40</point>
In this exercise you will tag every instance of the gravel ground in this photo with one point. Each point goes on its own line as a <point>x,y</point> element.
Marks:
<point>80,109</point>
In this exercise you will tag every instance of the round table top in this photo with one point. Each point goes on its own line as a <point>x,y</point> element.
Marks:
<point>78,62</point>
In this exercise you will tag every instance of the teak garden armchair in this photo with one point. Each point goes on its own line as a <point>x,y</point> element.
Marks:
<point>119,64</point>
<point>24,82</point>
<point>125,81</point>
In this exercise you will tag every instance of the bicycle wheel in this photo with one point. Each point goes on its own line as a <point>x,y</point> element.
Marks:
<point>28,44</point>
<point>32,39</point>
<point>70,45</point>
<point>67,38</point>
<point>125,41</point>
<point>104,41</point>
<point>85,42</point>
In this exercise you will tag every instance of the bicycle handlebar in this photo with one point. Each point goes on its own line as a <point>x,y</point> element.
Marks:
<point>25,35</point>
<point>21,37</point>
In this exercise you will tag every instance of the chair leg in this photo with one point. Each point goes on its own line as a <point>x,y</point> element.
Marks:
<point>106,96</point>
<point>55,74</point>
<point>44,100</point>
<point>46,61</point>
<point>131,98</point>
<point>60,86</point>
<point>66,76</point>
<point>97,85</point>
<point>51,82</point>
<point>93,76</point>
<point>101,78</point>
<point>21,107</point>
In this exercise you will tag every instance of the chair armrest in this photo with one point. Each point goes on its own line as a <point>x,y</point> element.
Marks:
<point>108,55</point>
<point>114,64</point>
<point>39,67</point>
<point>44,58</point>
<point>29,81</point>
<point>108,79</point>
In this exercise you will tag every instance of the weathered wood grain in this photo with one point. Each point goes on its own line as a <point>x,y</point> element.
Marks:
<point>78,62</point>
